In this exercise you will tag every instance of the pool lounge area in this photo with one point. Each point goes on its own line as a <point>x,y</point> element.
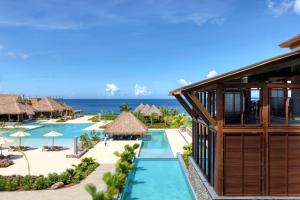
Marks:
<point>158,175</point>
<point>36,139</point>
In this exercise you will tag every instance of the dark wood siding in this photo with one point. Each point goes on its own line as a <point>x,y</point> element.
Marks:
<point>233,168</point>
<point>277,165</point>
<point>242,164</point>
<point>252,164</point>
<point>294,164</point>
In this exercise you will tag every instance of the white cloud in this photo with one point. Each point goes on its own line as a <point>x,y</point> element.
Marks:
<point>211,73</point>
<point>111,89</point>
<point>297,7</point>
<point>140,90</point>
<point>183,82</point>
<point>13,54</point>
<point>278,8</point>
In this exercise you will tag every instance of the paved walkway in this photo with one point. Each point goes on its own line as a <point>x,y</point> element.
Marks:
<point>177,140</point>
<point>70,193</point>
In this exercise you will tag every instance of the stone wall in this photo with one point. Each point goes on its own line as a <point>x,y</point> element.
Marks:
<point>199,190</point>
<point>197,183</point>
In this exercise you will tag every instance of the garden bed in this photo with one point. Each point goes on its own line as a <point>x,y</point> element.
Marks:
<point>69,177</point>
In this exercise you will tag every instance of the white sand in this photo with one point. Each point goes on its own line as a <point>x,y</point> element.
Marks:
<point>83,119</point>
<point>46,162</point>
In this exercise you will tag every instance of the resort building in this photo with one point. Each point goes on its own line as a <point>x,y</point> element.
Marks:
<point>126,126</point>
<point>50,108</point>
<point>14,108</point>
<point>246,127</point>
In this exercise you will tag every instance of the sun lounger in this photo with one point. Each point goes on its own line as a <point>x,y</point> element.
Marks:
<point>18,148</point>
<point>52,148</point>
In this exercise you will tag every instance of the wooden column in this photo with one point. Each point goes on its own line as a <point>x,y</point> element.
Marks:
<point>219,147</point>
<point>265,145</point>
<point>197,141</point>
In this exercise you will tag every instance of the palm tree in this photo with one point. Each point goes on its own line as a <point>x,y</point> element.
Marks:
<point>27,161</point>
<point>125,108</point>
<point>92,190</point>
<point>165,114</point>
<point>152,117</point>
<point>115,182</point>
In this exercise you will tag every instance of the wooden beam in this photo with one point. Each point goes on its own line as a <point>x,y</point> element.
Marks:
<point>196,103</point>
<point>219,147</point>
<point>186,106</point>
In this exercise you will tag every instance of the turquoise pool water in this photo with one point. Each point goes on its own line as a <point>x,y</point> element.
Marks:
<point>37,139</point>
<point>157,147</point>
<point>157,174</point>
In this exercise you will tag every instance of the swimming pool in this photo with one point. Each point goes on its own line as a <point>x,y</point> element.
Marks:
<point>37,139</point>
<point>157,179</point>
<point>157,147</point>
<point>158,175</point>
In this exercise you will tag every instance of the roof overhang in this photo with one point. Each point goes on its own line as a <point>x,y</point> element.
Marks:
<point>211,82</point>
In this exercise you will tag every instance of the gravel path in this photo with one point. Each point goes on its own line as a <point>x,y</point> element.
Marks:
<point>71,193</point>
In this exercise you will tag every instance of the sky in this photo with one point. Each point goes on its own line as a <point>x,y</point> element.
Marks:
<point>134,48</point>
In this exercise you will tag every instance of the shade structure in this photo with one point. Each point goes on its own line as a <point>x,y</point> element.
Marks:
<point>153,110</point>
<point>139,108</point>
<point>20,134</point>
<point>145,109</point>
<point>4,141</point>
<point>53,134</point>
<point>126,124</point>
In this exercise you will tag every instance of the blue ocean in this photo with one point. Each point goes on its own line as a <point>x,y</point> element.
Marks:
<point>106,106</point>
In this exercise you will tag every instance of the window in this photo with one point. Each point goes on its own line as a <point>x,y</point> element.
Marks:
<point>232,107</point>
<point>277,106</point>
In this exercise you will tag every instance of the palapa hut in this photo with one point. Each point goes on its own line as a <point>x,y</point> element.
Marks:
<point>139,108</point>
<point>126,126</point>
<point>153,110</point>
<point>144,111</point>
<point>14,108</point>
<point>49,107</point>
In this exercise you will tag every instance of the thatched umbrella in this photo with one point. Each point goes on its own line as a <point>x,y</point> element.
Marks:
<point>126,124</point>
<point>53,134</point>
<point>139,108</point>
<point>4,141</point>
<point>20,134</point>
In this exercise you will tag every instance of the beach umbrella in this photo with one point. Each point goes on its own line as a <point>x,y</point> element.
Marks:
<point>4,141</point>
<point>20,134</point>
<point>53,134</point>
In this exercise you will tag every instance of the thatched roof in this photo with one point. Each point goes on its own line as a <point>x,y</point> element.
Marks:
<point>144,111</point>
<point>126,124</point>
<point>48,104</point>
<point>139,108</point>
<point>13,104</point>
<point>153,110</point>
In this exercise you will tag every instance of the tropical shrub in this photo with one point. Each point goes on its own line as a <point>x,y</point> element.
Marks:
<point>41,183</point>
<point>92,190</point>
<point>2,124</point>
<point>109,116</point>
<point>124,108</point>
<point>89,140</point>
<point>115,182</point>
<point>53,178</point>
<point>71,175</point>
<point>27,182</point>
<point>5,163</point>
<point>187,152</point>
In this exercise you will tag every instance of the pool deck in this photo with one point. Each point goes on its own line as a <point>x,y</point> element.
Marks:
<point>177,140</point>
<point>42,163</point>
